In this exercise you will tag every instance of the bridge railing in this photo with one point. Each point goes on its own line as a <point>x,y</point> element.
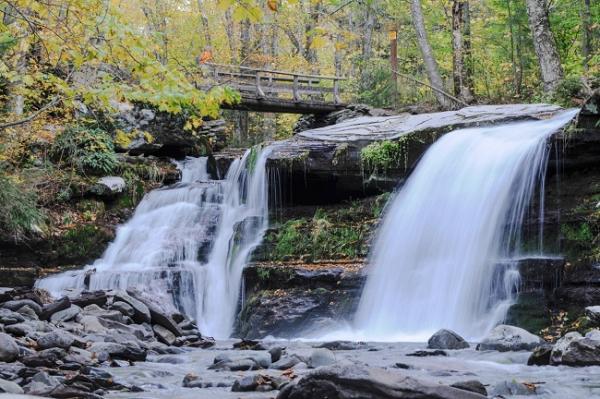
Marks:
<point>267,83</point>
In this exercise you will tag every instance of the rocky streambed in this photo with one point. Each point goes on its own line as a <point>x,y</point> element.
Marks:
<point>119,344</point>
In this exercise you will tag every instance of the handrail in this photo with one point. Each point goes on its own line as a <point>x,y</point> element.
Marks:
<point>276,72</point>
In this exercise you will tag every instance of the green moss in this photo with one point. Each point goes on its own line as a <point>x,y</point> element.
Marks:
<point>381,156</point>
<point>82,242</point>
<point>263,273</point>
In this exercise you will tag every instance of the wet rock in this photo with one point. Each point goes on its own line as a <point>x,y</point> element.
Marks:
<point>7,317</point>
<point>355,381</point>
<point>506,388</point>
<point>436,352</point>
<point>28,312</point>
<point>576,350</point>
<point>193,381</point>
<point>250,383</point>
<point>20,329</point>
<point>159,317</point>
<point>276,353</point>
<point>65,315</point>
<point>505,338</point>
<point>343,345</point>
<point>91,324</point>
<point>165,336</point>
<point>57,306</point>
<point>287,362</point>
<point>141,313</point>
<point>45,358</point>
<point>471,386</point>
<point>55,339</point>
<point>9,350</point>
<point>14,305</point>
<point>123,307</point>
<point>118,351</point>
<point>446,339</point>
<point>540,356</point>
<point>321,357</point>
<point>593,313</point>
<point>41,383</point>
<point>10,387</point>
<point>249,344</point>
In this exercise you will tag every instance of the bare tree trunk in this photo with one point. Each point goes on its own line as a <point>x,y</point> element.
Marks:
<point>543,42</point>
<point>231,40</point>
<point>310,53</point>
<point>367,46</point>
<point>204,24</point>
<point>430,64</point>
<point>460,47</point>
<point>586,37</point>
<point>245,41</point>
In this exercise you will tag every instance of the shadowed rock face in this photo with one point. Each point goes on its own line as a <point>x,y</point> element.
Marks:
<point>327,160</point>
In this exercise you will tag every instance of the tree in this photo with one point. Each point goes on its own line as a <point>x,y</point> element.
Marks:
<point>430,63</point>
<point>461,54</point>
<point>543,42</point>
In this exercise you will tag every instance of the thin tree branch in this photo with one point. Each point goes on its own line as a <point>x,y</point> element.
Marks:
<point>32,116</point>
<point>458,101</point>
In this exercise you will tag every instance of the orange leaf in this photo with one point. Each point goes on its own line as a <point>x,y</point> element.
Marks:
<point>272,4</point>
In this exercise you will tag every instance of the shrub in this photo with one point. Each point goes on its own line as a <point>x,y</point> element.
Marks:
<point>383,155</point>
<point>87,149</point>
<point>19,213</point>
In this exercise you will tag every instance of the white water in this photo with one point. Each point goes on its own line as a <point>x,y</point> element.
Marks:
<point>433,263</point>
<point>186,245</point>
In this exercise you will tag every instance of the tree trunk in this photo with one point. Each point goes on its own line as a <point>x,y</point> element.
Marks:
<point>367,46</point>
<point>231,40</point>
<point>586,37</point>
<point>310,53</point>
<point>543,42</point>
<point>430,64</point>
<point>204,24</point>
<point>460,50</point>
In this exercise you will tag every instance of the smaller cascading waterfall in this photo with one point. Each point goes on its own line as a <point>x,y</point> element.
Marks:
<point>434,262</point>
<point>187,244</point>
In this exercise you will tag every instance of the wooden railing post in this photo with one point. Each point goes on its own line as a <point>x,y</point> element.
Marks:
<point>336,91</point>
<point>295,93</point>
<point>259,91</point>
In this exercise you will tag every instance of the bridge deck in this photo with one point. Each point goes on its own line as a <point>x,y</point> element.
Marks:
<point>265,90</point>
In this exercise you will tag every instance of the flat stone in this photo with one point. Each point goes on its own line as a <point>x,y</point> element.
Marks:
<point>123,307</point>
<point>19,303</point>
<point>57,306</point>
<point>7,317</point>
<point>65,315</point>
<point>321,357</point>
<point>55,339</point>
<point>165,336</point>
<point>10,387</point>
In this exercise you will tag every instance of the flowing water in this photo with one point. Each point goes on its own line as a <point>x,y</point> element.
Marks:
<point>186,245</point>
<point>433,263</point>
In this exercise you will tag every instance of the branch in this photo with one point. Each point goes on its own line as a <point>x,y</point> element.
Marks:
<point>458,101</point>
<point>32,116</point>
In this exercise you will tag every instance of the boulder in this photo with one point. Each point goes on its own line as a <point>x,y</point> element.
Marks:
<point>355,381</point>
<point>118,351</point>
<point>505,338</point>
<point>446,339</point>
<point>471,386</point>
<point>540,356</point>
<point>41,383</point>
<point>165,336</point>
<point>159,317</point>
<point>286,362</point>
<point>7,317</point>
<point>321,357</point>
<point>65,315</point>
<point>124,308</point>
<point>57,306</point>
<point>46,358</point>
<point>257,382</point>
<point>28,312</point>
<point>9,350</point>
<point>576,350</point>
<point>19,303</point>
<point>276,353</point>
<point>55,339</point>
<point>10,387</point>
<point>141,313</point>
<point>593,313</point>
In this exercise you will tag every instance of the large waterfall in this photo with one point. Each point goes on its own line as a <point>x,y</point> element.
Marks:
<point>459,213</point>
<point>187,244</point>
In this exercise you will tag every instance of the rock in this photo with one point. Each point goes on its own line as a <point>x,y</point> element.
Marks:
<point>141,313</point>
<point>193,381</point>
<point>161,318</point>
<point>286,362</point>
<point>91,324</point>
<point>540,356</point>
<point>436,352</point>
<point>10,387</point>
<point>471,386</point>
<point>446,339</point>
<point>576,350</point>
<point>55,339</point>
<point>108,186</point>
<point>512,387</point>
<point>28,312</point>
<point>505,338</point>
<point>20,329</point>
<point>46,358</point>
<point>57,306</point>
<point>250,383</point>
<point>41,383</point>
<point>249,344</point>
<point>9,350</point>
<point>19,303</point>
<point>123,307</point>
<point>343,345</point>
<point>321,357</point>
<point>7,317</point>
<point>355,381</point>
<point>593,313</point>
<point>165,336</point>
<point>65,315</point>
<point>118,351</point>
<point>275,353</point>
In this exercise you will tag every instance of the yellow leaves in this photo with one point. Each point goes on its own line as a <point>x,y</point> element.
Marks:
<point>318,42</point>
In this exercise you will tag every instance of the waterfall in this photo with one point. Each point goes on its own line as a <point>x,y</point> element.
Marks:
<point>461,210</point>
<point>186,245</point>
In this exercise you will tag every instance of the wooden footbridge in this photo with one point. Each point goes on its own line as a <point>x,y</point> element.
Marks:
<point>265,90</point>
